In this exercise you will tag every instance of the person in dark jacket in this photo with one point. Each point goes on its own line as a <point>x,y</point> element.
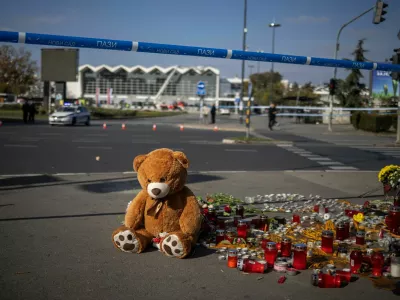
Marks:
<point>32,112</point>
<point>25,111</point>
<point>272,116</point>
<point>213,112</point>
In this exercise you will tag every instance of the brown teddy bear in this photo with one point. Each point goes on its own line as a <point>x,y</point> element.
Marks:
<point>165,210</point>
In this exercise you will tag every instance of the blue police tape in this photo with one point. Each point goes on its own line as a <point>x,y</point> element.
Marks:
<point>122,45</point>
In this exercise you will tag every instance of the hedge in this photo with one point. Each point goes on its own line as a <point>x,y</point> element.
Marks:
<point>372,122</point>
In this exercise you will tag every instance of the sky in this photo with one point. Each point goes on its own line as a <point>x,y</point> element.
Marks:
<point>309,28</point>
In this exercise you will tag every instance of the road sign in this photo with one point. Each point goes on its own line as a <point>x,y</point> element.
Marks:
<point>201,88</point>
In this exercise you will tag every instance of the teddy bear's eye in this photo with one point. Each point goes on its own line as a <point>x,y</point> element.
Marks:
<point>162,179</point>
<point>148,180</point>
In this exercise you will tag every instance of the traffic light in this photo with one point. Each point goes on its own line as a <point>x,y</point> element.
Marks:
<point>379,12</point>
<point>396,61</point>
<point>332,87</point>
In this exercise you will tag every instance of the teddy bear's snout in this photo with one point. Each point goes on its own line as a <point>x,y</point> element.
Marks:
<point>158,190</point>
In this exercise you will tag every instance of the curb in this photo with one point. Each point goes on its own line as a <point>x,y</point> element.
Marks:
<point>211,128</point>
<point>267,142</point>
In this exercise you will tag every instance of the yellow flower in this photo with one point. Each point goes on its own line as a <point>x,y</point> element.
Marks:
<point>358,217</point>
<point>386,171</point>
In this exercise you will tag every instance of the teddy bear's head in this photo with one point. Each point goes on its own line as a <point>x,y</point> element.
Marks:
<point>161,172</point>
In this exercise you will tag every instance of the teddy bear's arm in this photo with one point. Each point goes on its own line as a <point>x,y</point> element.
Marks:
<point>190,220</point>
<point>135,212</point>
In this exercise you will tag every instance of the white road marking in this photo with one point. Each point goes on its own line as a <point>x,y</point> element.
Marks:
<point>20,146</point>
<point>307,155</point>
<point>241,150</point>
<point>327,163</point>
<point>94,147</point>
<point>342,168</point>
<point>284,145</point>
<point>319,158</point>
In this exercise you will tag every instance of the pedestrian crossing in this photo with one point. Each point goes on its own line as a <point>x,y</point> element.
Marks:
<point>363,145</point>
<point>322,160</point>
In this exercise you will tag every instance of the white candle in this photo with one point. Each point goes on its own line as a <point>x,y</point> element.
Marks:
<point>395,267</point>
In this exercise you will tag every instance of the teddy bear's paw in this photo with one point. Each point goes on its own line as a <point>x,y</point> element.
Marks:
<point>126,241</point>
<point>172,246</point>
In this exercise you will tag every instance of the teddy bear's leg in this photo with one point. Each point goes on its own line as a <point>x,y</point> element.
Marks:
<point>176,244</point>
<point>128,240</point>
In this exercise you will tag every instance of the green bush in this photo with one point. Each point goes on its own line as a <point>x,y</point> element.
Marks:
<point>375,122</point>
<point>111,113</point>
<point>11,107</point>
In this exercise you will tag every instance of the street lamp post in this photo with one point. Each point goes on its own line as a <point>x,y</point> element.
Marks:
<point>273,25</point>
<point>243,62</point>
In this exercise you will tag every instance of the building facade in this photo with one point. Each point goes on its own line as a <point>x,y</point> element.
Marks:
<point>139,83</point>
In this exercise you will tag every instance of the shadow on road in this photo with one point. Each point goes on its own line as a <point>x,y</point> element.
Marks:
<point>28,180</point>
<point>130,185</point>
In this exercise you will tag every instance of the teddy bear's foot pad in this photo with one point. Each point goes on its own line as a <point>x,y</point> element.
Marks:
<point>172,246</point>
<point>126,241</point>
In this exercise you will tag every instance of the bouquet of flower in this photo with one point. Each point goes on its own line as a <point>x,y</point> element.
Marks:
<point>389,174</point>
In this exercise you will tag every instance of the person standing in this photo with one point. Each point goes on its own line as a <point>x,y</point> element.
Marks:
<point>25,111</point>
<point>272,116</point>
<point>213,112</point>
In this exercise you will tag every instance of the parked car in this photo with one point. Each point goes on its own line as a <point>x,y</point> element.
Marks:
<point>70,115</point>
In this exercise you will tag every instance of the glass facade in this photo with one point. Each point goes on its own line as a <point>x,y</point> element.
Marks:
<point>139,82</point>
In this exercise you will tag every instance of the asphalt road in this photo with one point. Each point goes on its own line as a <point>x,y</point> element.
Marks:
<point>39,148</point>
<point>31,149</point>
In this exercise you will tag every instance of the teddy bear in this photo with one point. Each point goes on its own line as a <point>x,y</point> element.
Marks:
<point>165,210</point>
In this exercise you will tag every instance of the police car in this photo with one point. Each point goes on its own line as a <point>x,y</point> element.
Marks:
<point>70,115</point>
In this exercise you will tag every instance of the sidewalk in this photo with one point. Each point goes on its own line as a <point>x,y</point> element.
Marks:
<point>341,133</point>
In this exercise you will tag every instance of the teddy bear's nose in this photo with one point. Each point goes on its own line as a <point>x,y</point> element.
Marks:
<point>156,191</point>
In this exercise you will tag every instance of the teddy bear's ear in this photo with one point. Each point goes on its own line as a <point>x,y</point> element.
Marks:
<point>138,161</point>
<point>181,157</point>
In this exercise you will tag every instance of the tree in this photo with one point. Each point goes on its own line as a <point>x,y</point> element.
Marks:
<point>17,70</point>
<point>349,90</point>
<point>267,86</point>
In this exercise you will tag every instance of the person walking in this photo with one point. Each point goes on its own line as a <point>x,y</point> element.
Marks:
<point>213,112</point>
<point>32,112</point>
<point>25,111</point>
<point>272,116</point>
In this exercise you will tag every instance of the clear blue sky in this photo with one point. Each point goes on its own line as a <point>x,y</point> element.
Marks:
<point>309,28</point>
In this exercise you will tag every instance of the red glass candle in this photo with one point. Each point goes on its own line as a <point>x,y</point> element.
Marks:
<point>327,241</point>
<point>329,281</point>
<point>232,258</point>
<point>265,241</point>
<point>377,260</point>
<point>242,229</point>
<point>344,274</point>
<point>263,225</point>
<point>346,229</point>
<point>220,235</point>
<point>360,237</point>
<point>300,257</point>
<point>211,215</point>
<point>236,220</point>
<point>316,208</point>
<point>296,219</point>
<point>270,253</point>
<point>355,261</point>
<point>340,232</point>
<point>240,210</point>
<point>394,213</point>
<point>221,222</point>
<point>254,266</point>
<point>256,222</point>
<point>286,247</point>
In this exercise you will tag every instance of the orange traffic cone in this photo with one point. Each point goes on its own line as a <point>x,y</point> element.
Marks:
<point>104,126</point>
<point>154,127</point>
<point>123,126</point>
<point>181,127</point>
<point>215,128</point>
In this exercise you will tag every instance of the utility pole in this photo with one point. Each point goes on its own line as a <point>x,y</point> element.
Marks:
<point>243,61</point>
<point>258,62</point>
<point>335,56</point>
<point>273,25</point>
